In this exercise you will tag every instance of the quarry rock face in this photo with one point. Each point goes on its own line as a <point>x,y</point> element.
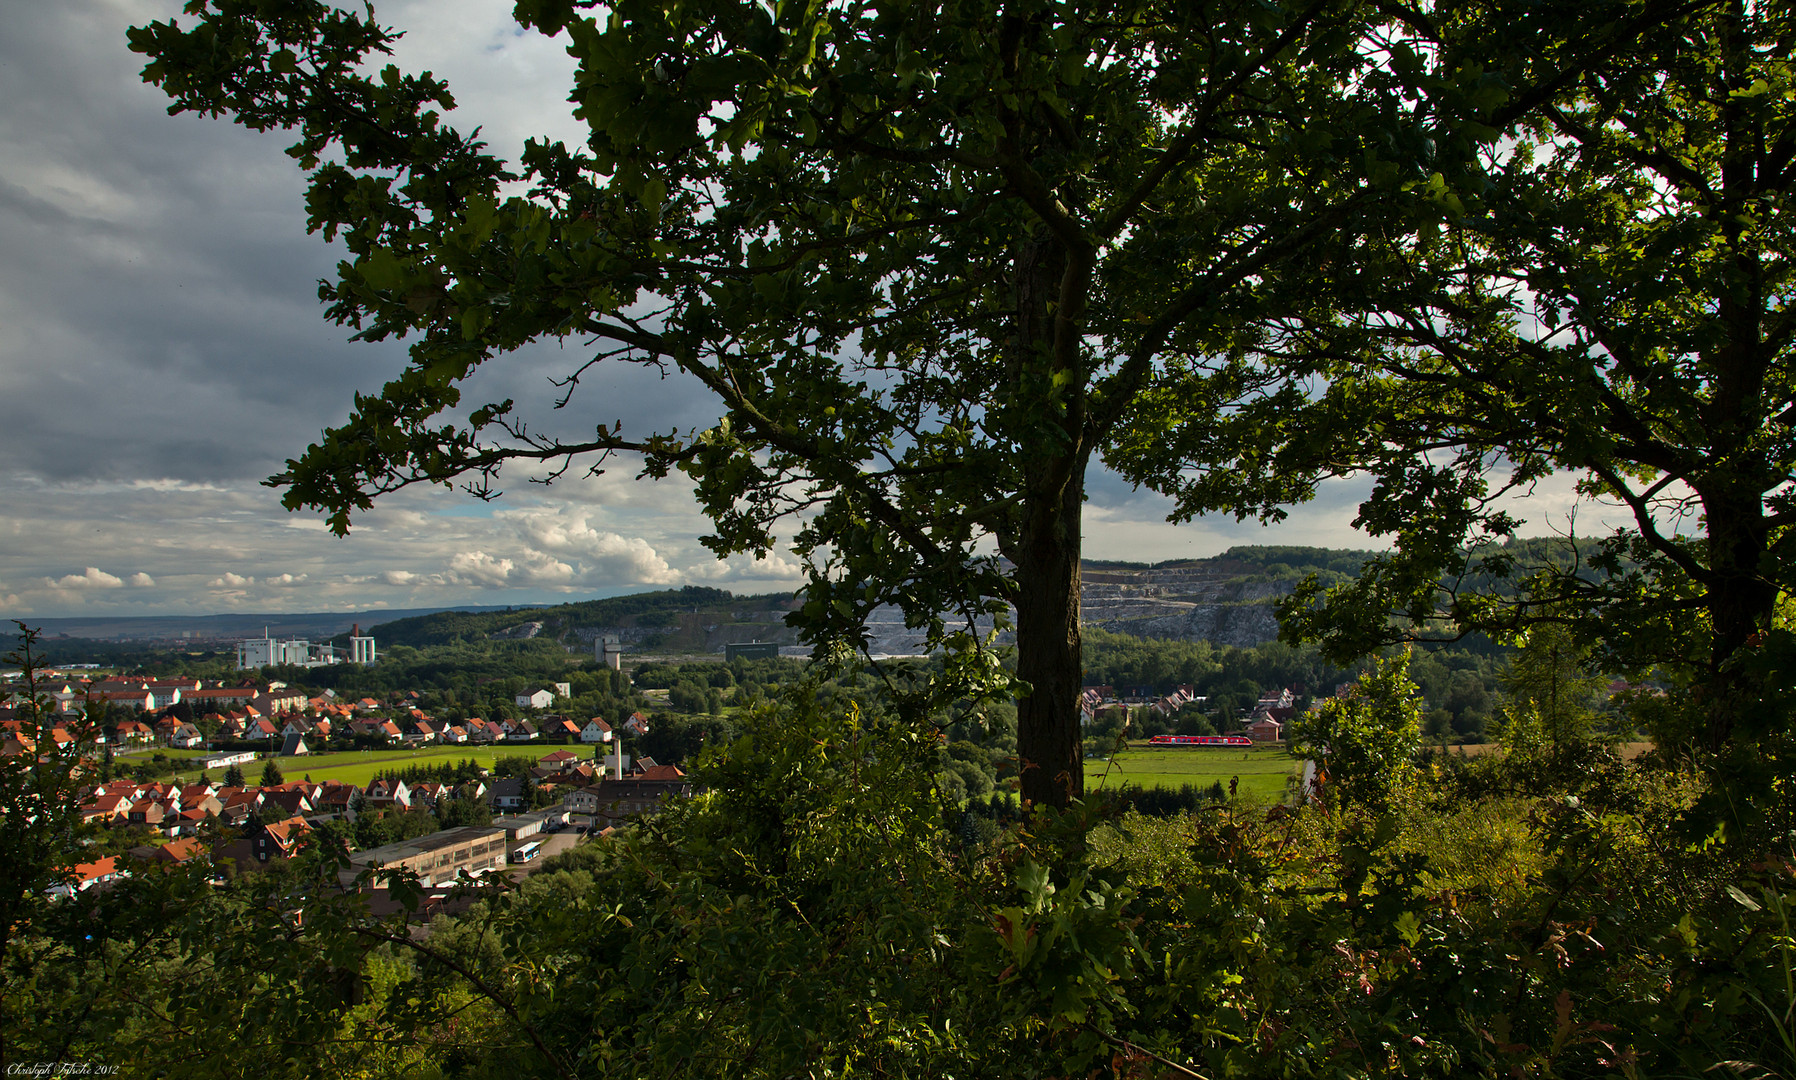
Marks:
<point>1213,602</point>
<point>1221,600</point>
<point>1206,602</point>
<point>1239,625</point>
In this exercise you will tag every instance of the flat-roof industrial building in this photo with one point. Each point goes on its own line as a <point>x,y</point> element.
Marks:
<point>437,858</point>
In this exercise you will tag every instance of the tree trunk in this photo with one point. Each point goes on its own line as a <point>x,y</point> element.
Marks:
<point>1741,601</point>
<point>1742,597</point>
<point>1045,546</point>
<point>1049,749</point>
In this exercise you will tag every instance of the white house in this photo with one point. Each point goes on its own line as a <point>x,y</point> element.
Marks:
<point>595,731</point>
<point>536,699</point>
<point>383,792</point>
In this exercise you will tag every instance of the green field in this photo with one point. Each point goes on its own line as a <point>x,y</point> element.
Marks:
<point>1261,770</point>
<point>359,767</point>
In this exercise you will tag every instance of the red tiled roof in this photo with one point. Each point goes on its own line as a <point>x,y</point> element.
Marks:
<point>90,871</point>
<point>183,849</point>
<point>289,832</point>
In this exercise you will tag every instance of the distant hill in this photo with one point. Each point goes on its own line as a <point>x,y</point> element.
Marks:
<point>693,619</point>
<point>1227,599</point>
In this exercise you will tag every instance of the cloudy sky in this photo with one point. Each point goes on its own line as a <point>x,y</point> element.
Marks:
<point>162,351</point>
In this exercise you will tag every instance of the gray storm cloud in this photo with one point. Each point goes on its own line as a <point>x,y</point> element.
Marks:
<point>163,352</point>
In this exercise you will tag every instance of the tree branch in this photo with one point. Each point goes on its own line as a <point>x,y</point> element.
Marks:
<point>478,984</point>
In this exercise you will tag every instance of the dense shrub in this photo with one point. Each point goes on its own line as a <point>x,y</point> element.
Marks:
<point>822,909</point>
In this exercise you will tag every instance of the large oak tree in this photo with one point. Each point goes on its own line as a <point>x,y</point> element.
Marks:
<point>1613,300</point>
<point>928,258</point>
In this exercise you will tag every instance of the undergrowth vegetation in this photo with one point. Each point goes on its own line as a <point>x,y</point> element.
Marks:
<point>822,910</point>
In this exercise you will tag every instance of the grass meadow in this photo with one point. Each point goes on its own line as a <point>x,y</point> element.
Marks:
<point>1261,769</point>
<point>358,767</point>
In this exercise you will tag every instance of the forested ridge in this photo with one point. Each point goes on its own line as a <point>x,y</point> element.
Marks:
<point>650,609</point>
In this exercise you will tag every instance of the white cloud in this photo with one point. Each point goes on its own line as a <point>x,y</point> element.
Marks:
<point>92,578</point>
<point>141,581</point>
<point>167,484</point>
<point>483,570</point>
<point>773,571</point>
<point>601,554</point>
<point>240,581</point>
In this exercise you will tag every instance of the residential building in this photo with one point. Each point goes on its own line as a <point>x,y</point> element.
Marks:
<point>384,793</point>
<point>1265,729</point>
<point>90,875</point>
<point>615,801</point>
<point>507,794</point>
<point>536,699</point>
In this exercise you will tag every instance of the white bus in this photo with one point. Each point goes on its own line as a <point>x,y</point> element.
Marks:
<point>525,852</point>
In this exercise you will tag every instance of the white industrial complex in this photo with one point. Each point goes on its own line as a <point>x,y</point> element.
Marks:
<point>253,653</point>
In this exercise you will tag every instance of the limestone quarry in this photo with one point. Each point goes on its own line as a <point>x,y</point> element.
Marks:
<point>1218,600</point>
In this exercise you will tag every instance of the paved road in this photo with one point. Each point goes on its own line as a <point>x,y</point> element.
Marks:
<point>553,844</point>
<point>556,843</point>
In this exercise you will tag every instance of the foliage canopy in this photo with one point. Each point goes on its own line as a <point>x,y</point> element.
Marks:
<point>1610,297</point>
<point>929,261</point>
<point>1364,741</point>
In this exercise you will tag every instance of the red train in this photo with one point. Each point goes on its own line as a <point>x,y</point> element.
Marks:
<point>1174,741</point>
